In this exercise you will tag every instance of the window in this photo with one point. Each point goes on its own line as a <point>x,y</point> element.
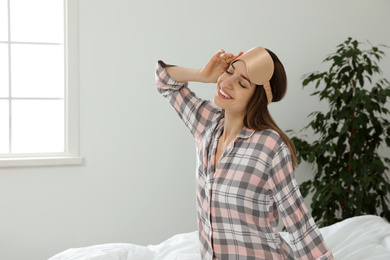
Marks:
<point>38,82</point>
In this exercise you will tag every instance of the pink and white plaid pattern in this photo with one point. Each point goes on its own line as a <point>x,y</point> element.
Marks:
<point>239,200</point>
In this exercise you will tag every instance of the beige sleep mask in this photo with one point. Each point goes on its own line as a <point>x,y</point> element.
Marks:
<point>260,68</point>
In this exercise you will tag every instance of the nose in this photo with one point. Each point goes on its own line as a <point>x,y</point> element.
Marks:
<point>228,82</point>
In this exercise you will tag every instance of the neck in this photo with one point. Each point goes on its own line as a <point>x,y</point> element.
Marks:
<point>232,126</point>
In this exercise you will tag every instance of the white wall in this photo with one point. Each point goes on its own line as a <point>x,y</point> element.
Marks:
<point>137,184</point>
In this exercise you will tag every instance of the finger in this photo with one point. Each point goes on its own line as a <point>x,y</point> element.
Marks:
<point>228,57</point>
<point>239,54</point>
<point>220,53</point>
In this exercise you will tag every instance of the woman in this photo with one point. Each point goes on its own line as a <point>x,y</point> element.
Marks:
<point>245,164</point>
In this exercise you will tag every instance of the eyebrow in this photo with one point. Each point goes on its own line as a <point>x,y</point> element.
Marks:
<point>242,75</point>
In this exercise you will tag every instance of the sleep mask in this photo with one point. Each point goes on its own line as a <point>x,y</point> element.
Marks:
<point>260,68</point>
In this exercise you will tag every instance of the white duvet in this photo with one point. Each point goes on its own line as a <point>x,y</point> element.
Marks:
<point>358,238</point>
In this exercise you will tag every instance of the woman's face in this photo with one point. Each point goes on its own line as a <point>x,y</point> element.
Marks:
<point>234,90</point>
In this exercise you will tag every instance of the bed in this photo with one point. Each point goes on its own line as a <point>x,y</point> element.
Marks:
<point>358,238</point>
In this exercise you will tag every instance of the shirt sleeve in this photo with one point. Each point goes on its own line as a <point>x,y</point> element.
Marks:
<point>305,237</point>
<point>196,113</point>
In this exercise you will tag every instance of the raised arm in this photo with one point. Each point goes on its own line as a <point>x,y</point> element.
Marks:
<point>208,74</point>
<point>172,84</point>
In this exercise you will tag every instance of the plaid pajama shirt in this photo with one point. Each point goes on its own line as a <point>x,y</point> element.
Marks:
<point>239,199</point>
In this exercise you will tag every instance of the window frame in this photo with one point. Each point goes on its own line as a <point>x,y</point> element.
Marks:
<point>70,156</point>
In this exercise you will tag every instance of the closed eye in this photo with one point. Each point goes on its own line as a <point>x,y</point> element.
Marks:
<point>242,77</point>
<point>228,72</point>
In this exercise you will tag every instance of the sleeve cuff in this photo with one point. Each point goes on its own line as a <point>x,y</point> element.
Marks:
<point>164,80</point>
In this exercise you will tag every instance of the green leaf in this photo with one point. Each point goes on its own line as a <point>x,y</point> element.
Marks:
<point>344,129</point>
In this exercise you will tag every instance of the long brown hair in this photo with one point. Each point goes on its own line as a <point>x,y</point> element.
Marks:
<point>258,116</point>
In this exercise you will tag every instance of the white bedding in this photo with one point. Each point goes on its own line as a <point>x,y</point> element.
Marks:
<point>358,238</point>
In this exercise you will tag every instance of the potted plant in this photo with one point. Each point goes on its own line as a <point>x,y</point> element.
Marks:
<point>349,173</point>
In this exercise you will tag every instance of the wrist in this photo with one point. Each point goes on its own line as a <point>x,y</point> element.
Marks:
<point>199,77</point>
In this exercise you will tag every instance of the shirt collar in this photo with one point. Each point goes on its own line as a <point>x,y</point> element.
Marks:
<point>246,133</point>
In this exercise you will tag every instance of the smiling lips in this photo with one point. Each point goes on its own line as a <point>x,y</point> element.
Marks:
<point>223,94</point>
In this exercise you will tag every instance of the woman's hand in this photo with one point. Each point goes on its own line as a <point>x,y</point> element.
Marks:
<point>217,65</point>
